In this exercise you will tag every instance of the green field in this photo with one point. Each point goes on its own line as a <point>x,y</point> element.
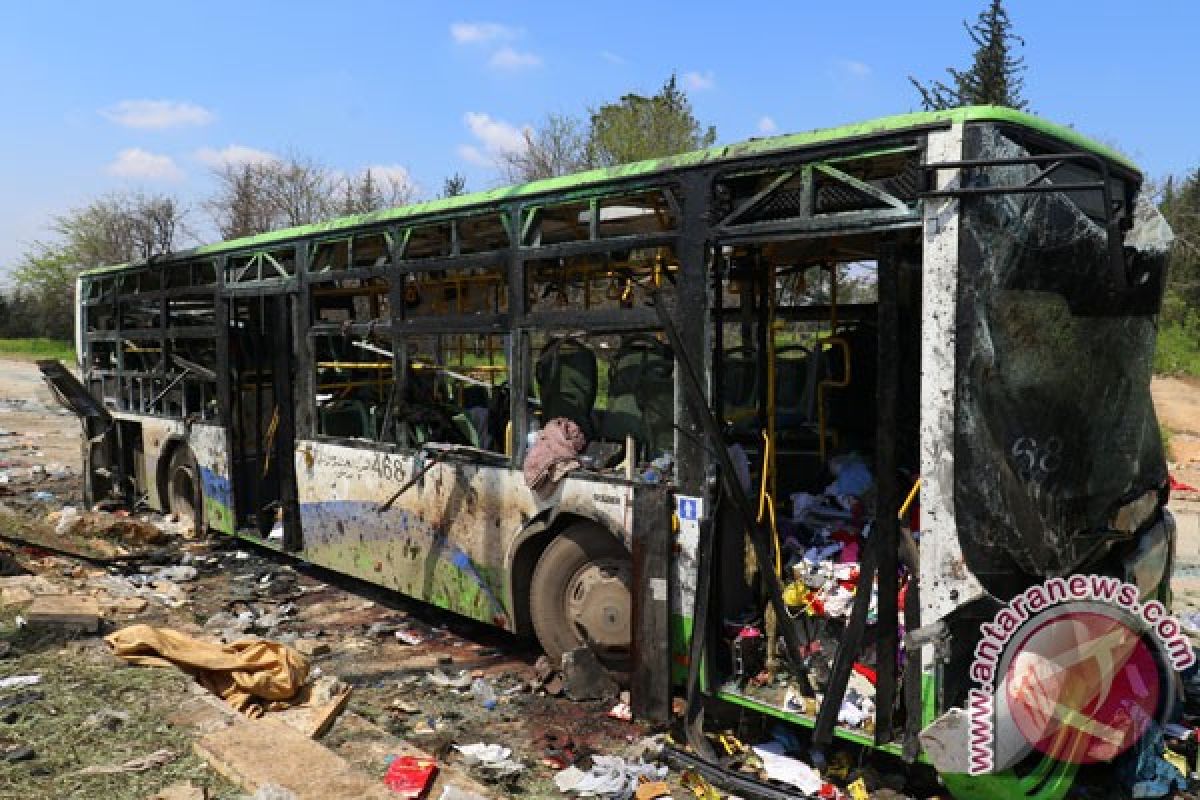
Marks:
<point>37,348</point>
<point>1178,351</point>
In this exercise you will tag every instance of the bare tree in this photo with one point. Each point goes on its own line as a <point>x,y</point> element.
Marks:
<point>241,206</point>
<point>300,191</point>
<point>558,147</point>
<point>374,190</point>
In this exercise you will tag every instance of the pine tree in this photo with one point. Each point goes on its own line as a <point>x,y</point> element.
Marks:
<point>996,75</point>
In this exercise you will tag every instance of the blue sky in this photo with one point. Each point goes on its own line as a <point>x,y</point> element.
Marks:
<point>149,95</point>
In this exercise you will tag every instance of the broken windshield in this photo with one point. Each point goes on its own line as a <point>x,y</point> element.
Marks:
<point>1055,428</point>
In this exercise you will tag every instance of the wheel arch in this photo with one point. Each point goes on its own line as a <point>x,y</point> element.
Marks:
<point>173,442</point>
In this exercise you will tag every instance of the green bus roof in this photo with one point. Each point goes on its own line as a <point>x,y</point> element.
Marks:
<point>582,180</point>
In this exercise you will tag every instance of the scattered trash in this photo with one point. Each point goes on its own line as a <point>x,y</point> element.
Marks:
<point>42,496</point>
<point>156,759</point>
<point>21,698</point>
<point>410,776</point>
<point>621,711</point>
<point>460,681</point>
<point>700,788</point>
<point>179,574</point>
<point>610,776</point>
<point>20,681</point>
<point>785,769</point>
<point>494,760</point>
<point>410,637</point>
<point>272,792</point>
<point>483,693</point>
<point>652,790</point>
<point>20,753</point>
<point>455,793</point>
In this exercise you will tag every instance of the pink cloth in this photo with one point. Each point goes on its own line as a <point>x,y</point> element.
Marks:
<point>554,454</point>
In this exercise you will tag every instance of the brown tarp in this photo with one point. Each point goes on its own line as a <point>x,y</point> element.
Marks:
<point>252,676</point>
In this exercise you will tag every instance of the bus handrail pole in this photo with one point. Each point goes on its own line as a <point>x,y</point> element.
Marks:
<point>762,548</point>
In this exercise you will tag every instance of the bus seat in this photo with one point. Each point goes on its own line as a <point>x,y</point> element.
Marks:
<point>739,388</point>
<point>346,418</point>
<point>641,394</point>
<point>791,387</point>
<point>567,381</point>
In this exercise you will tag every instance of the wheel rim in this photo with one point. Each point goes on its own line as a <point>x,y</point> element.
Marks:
<point>598,606</point>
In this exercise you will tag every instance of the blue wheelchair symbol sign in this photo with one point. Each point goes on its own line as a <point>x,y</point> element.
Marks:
<point>688,508</point>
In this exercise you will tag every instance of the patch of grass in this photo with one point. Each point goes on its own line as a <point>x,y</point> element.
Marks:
<point>1178,351</point>
<point>80,678</point>
<point>38,348</point>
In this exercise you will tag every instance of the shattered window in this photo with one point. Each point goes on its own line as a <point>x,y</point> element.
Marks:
<point>455,391</point>
<point>353,381</point>
<point>598,281</point>
<point>482,291</point>
<point>1055,428</point>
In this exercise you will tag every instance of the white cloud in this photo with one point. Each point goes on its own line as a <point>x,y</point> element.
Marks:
<point>135,162</point>
<point>508,58</point>
<point>699,81</point>
<point>612,57</point>
<point>157,114</point>
<point>234,155</point>
<point>767,126</point>
<point>494,137</point>
<point>482,32</point>
<point>855,69</point>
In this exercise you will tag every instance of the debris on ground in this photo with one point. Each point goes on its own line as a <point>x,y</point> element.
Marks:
<point>585,678</point>
<point>493,761</point>
<point>155,759</point>
<point>76,612</point>
<point>20,681</point>
<point>410,776</point>
<point>252,676</point>
<point>609,777</point>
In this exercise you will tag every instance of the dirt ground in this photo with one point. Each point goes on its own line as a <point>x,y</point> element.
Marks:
<point>357,632</point>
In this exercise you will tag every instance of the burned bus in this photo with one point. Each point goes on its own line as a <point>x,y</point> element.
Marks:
<point>772,426</point>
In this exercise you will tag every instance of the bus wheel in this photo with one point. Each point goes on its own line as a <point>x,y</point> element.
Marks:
<point>580,595</point>
<point>183,487</point>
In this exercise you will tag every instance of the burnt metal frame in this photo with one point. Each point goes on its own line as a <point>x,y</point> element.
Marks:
<point>1116,213</point>
<point>690,192</point>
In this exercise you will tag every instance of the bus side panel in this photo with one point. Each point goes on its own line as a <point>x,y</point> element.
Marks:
<point>443,540</point>
<point>210,447</point>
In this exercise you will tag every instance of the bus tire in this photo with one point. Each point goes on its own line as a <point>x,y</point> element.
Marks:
<point>185,498</point>
<point>580,595</point>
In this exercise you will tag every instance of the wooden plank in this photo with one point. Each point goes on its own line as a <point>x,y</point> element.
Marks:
<point>75,611</point>
<point>314,721</point>
<point>255,753</point>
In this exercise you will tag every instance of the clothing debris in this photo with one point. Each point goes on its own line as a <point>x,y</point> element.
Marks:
<point>253,676</point>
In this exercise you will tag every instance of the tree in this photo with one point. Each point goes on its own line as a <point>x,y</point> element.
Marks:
<point>454,185</point>
<point>636,128</point>
<point>114,229</point>
<point>241,205</point>
<point>995,76</point>
<point>376,190</point>
<point>1181,206</point>
<point>558,147</point>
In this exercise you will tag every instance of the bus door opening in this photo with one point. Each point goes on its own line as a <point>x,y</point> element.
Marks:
<point>261,367</point>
